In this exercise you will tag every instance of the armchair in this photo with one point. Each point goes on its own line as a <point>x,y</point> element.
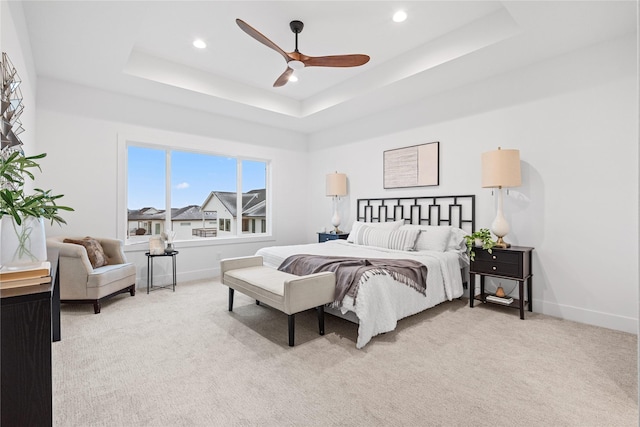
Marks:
<point>80,283</point>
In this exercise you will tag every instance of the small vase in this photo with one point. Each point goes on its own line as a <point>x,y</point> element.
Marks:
<point>22,245</point>
<point>169,248</point>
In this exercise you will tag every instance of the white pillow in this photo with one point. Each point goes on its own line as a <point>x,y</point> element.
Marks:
<point>432,237</point>
<point>391,225</point>
<point>457,241</point>
<point>402,240</point>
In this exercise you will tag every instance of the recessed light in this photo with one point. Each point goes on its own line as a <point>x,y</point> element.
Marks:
<point>200,44</point>
<point>400,16</point>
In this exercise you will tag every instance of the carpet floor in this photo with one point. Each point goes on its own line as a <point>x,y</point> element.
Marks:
<point>181,359</point>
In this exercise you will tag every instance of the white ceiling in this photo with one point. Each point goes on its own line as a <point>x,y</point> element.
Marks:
<point>144,49</point>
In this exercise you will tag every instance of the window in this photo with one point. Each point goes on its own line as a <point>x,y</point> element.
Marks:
<point>203,195</point>
<point>254,194</point>
<point>145,188</point>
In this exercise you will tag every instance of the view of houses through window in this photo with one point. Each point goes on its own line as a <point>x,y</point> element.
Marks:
<point>193,194</point>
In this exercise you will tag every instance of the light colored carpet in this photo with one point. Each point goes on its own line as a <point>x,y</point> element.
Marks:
<point>181,359</point>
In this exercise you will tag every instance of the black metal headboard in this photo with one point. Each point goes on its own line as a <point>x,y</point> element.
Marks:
<point>458,211</point>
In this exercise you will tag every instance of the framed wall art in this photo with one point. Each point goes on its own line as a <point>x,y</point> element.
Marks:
<point>415,166</point>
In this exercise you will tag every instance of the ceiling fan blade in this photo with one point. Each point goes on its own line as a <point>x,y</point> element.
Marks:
<point>261,38</point>
<point>284,78</point>
<point>335,60</point>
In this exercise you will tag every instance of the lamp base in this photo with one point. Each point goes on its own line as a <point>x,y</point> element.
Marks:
<point>338,231</point>
<point>501,243</point>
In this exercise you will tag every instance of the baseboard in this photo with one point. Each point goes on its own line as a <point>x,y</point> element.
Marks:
<point>582,315</point>
<point>590,317</point>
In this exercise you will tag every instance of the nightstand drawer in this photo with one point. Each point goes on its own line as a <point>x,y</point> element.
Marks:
<point>497,268</point>
<point>498,256</point>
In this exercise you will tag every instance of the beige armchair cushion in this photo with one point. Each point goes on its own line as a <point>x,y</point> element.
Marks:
<point>80,282</point>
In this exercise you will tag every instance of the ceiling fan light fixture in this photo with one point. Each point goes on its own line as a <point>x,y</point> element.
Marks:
<point>295,65</point>
<point>296,60</point>
<point>199,43</point>
<point>400,16</point>
<point>293,78</point>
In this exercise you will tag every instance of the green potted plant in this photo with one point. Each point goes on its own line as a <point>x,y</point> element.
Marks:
<point>22,215</point>
<point>479,239</point>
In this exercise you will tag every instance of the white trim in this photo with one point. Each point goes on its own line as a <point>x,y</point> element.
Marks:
<point>121,196</point>
<point>167,189</point>
<point>239,198</point>
<point>590,317</point>
<point>213,241</point>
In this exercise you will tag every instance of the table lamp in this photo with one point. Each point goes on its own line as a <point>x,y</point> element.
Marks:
<point>501,168</point>
<point>336,188</point>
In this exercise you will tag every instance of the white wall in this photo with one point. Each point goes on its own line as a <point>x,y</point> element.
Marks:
<point>82,127</point>
<point>578,203</point>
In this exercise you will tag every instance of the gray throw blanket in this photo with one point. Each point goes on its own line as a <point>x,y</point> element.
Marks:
<point>349,270</point>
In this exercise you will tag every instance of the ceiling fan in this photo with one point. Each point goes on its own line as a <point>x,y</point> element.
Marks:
<point>296,60</point>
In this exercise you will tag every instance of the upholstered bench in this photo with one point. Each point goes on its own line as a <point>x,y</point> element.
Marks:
<point>283,291</point>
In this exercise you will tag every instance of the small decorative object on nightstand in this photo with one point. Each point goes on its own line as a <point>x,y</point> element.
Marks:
<point>512,263</point>
<point>323,237</point>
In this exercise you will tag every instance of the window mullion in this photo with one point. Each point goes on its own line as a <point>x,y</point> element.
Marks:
<point>167,215</point>
<point>238,230</point>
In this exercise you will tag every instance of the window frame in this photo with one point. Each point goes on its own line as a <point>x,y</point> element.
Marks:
<point>168,144</point>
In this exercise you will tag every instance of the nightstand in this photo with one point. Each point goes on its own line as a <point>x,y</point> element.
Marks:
<point>323,237</point>
<point>512,263</point>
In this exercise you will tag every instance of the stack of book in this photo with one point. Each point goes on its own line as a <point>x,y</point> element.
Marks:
<point>27,276</point>
<point>499,300</point>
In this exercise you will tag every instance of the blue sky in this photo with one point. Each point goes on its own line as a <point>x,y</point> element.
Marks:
<point>193,177</point>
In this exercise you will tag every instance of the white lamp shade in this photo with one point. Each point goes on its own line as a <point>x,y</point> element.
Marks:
<point>501,168</point>
<point>336,184</point>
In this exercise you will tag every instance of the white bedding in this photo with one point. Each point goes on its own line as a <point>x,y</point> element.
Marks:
<point>381,300</point>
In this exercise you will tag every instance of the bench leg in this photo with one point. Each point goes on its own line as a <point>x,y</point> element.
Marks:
<point>231,299</point>
<point>292,323</point>
<point>257,302</point>
<point>321,319</point>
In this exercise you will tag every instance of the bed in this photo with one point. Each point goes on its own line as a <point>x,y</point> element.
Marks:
<point>384,229</point>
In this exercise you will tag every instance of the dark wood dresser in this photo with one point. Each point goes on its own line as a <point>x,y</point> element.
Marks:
<point>30,320</point>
